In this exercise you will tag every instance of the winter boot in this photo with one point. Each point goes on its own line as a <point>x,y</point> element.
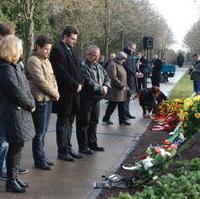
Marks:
<point>11,184</point>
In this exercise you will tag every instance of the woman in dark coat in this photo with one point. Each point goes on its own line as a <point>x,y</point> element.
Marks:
<point>16,104</point>
<point>117,95</point>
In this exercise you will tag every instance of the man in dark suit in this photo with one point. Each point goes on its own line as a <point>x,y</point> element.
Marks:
<point>132,73</point>
<point>66,66</point>
<point>156,68</point>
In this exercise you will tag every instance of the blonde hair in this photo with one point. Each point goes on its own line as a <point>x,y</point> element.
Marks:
<point>11,48</point>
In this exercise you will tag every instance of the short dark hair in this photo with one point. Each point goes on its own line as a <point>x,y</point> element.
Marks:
<point>70,30</point>
<point>6,29</point>
<point>195,55</point>
<point>155,90</point>
<point>42,40</point>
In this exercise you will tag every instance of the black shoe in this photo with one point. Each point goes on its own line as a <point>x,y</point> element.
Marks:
<point>97,148</point>
<point>43,166</point>
<point>22,171</point>
<point>75,154</point>
<point>86,151</point>
<point>130,116</point>
<point>124,123</point>
<point>22,184</point>
<point>65,157</point>
<point>49,163</point>
<point>13,186</point>
<point>108,122</point>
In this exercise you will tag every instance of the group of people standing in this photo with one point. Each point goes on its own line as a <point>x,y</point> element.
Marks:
<point>56,80</point>
<point>128,74</point>
<point>53,80</point>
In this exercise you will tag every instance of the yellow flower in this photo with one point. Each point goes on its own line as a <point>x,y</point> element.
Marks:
<point>188,99</point>
<point>183,115</point>
<point>196,98</point>
<point>187,105</point>
<point>193,108</point>
<point>197,115</point>
<point>178,100</point>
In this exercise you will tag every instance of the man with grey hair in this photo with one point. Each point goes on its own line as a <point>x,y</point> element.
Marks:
<point>95,86</point>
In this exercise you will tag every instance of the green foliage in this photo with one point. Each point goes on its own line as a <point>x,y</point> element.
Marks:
<point>183,89</point>
<point>42,15</point>
<point>180,59</point>
<point>96,24</point>
<point>3,17</point>
<point>172,186</point>
<point>43,20</point>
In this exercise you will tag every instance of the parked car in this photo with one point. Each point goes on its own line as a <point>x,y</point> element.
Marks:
<point>168,70</point>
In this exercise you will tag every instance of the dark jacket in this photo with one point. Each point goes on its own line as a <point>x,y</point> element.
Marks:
<point>157,66</point>
<point>146,98</point>
<point>118,78</point>
<point>195,71</point>
<point>16,103</point>
<point>66,68</point>
<point>131,69</point>
<point>94,78</point>
<point>143,65</point>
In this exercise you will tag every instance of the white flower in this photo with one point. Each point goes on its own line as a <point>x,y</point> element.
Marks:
<point>147,162</point>
<point>164,153</point>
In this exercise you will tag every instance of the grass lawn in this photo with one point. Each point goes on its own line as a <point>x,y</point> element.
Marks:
<point>183,89</point>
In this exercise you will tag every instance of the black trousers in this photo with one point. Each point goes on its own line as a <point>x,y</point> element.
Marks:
<point>13,158</point>
<point>64,132</point>
<point>86,123</point>
<point>155,79</point>
<point>111,107</point>
<point>126,105</point>
<point>141,83</point>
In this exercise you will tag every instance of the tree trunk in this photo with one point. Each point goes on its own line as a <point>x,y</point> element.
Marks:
<point>107,27</point>
<point>29,6</point>
<point>30,39</point>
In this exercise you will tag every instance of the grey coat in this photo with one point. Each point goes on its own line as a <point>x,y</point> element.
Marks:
<point>16,103</point>
<point>118,78</point>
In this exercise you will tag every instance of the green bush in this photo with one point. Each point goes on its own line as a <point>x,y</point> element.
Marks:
<point>172,186</point>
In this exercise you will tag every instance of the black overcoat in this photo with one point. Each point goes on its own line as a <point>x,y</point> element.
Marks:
<point>16,103</point>
<point>66,66</point>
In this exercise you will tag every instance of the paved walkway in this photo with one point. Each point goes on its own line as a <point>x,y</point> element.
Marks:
<point>74,180</point>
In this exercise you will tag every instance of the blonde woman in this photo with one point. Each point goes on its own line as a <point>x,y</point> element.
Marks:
<point>44,89</point>
<point>17,103</point>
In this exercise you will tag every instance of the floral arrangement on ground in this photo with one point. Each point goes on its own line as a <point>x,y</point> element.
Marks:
<point>181,119</point>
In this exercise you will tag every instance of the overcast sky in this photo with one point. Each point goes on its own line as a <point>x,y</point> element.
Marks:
<point>180,16</point>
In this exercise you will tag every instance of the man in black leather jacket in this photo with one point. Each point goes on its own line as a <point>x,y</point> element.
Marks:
<point>95,86</point>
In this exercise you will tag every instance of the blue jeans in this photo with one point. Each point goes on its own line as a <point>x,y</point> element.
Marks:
<point>41,118</point>
<point>3,149</point>
<point>196,86</point>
